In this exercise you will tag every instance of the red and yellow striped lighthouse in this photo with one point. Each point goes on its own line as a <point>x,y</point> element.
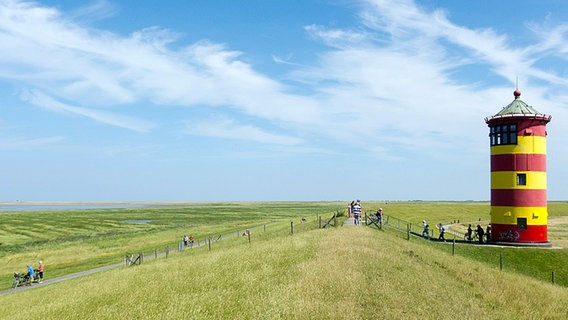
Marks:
<point>519,211</point>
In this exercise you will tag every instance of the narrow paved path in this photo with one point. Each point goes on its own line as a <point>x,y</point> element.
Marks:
<point>63,278</point>
<point>350,222</point>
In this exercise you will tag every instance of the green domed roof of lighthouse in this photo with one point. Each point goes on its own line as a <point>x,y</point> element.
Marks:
<point>518,106</point>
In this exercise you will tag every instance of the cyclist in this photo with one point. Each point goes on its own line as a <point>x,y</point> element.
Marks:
<point>379,214</point>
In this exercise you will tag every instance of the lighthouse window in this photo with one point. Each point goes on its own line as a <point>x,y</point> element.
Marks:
<point>503,134</point>
<point>521,179</point>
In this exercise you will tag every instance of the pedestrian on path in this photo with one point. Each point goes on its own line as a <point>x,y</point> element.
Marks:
<point>40,271</point>
<point>185,240</point>
<point>357,212</point>
<point>30,274</point>
<point>442,232</point>
<point>469,232</point>
<point>480,234</point>
<point>425,231</point>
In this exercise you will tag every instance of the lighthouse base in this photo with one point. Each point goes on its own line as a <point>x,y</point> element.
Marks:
<point>511,233</point>
<point>521,244</point>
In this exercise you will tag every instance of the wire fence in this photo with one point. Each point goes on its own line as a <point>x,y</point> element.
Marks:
<point>409,229</point>
<point>240,235</point>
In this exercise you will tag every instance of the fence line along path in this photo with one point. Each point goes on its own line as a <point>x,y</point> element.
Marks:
<point>91,271</point>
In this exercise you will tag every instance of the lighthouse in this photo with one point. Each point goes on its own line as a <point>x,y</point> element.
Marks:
<point>517,135</point>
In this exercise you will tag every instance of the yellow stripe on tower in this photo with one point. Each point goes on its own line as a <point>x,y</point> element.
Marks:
<point>508,180</point>
<point>509,215</point>
<point>525,145</point>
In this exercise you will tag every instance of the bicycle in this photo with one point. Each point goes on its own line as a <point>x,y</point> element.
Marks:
<point>470,237</point>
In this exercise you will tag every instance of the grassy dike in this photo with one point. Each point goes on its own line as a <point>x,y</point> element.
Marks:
<point>78,240</point>
<point>338,273</point>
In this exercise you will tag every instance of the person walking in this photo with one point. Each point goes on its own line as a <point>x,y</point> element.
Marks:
<point>480,234</point>
<point>30,274</point>
<point>469,232</point>
<point>357,212</point>
<point>425,231</point>
<point>185,240</point>
<point>40,271</point>
<point>442,232</point>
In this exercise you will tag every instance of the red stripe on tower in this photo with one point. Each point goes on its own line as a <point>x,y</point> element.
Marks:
<point>518,198</point>
<point>518,162</point>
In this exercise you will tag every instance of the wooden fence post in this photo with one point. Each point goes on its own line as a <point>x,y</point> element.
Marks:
<point>248,234</point>
<point>209,240</point>
<point>155,253</point>
<point>291,227</point>
<point>319,218</point>
<point>454,245</point>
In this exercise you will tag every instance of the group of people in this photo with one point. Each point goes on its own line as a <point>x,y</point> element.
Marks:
<point>426,231</point>
<point>187,241</point>
<point>481,234</point>
<point>31,273</point>
<point>354,210</point>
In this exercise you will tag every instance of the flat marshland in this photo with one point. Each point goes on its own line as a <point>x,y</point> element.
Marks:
<point>312,273</point>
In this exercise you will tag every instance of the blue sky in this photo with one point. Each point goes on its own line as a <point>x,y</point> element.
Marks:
<point>271,100</point>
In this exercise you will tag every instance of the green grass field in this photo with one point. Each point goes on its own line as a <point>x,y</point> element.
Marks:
<point>331,273</point>
<point>72,241</point>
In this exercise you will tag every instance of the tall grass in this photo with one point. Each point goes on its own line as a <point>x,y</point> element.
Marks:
<point>338,273</point>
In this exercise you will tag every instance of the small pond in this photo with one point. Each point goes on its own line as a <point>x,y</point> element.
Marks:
<point>137,221</point>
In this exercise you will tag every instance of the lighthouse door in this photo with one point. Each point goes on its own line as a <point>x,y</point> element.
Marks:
<point>522,223</point>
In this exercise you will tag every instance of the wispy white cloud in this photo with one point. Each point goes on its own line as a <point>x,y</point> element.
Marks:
<point>225,128</point>
<point>41,100</point>
<point>94,11</point>
<point>383,83</point>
